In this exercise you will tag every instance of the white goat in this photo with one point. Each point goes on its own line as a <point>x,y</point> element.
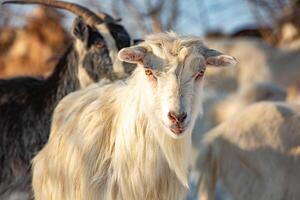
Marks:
<point>132,139</point>
<point>256,154</point>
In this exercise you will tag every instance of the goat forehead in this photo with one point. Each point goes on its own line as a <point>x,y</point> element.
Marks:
<point>181,64</point>
<point>175,56</point>
<point>166,44</point>
<point>170,51</point>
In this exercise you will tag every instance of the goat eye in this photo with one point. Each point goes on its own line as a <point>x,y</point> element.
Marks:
<point>199,75</point>
<point>149,73</point>
<point>99,45</point>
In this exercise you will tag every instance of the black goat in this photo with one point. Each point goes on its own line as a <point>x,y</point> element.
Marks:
<point>26,104</point>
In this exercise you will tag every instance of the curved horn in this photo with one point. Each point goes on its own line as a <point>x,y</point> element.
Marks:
<point>106,17</point>
<point>91,18</point>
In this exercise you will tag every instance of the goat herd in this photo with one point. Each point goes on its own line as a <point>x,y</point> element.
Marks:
<point>115,121</point>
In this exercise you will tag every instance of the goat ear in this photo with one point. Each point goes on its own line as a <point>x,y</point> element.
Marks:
<point>218,59</point>
<point>81,31</point>
<point>134,54</point>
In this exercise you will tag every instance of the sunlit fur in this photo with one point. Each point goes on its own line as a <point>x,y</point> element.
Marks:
<point>109,142</point>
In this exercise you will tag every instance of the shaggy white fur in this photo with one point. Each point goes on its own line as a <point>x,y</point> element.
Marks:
<point>116,141</point>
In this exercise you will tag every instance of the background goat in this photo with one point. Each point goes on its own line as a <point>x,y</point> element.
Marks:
<point>26,104</point>
<point>256,154</point>
<point>219,107</point>
<point>132,139</point>
<point>258,62</point>
<point>249,94</point>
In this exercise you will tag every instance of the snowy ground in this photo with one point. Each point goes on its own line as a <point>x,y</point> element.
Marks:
<point>221,193</point>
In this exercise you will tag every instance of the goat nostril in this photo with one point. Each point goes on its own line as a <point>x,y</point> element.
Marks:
<point>177,118</point>
<point>172,117</point>
<point>182,117</point>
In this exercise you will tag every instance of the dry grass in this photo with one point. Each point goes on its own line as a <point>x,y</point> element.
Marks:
<point>33,49</point>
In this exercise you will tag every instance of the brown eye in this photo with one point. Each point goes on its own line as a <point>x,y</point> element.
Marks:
<point>99,45</point>
<point>149,73</point>
<point>199,75</point>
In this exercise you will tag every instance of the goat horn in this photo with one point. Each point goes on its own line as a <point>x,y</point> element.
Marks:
<point>91,18</point>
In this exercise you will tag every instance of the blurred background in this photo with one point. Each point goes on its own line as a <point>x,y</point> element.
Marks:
<point>44,31</point>
<point>264,35</point>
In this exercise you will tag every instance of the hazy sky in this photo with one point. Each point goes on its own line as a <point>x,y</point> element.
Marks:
<point>196,15</point>
<point>224,15</point>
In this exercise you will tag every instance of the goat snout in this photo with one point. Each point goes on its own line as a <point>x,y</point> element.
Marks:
<point>177,119</point>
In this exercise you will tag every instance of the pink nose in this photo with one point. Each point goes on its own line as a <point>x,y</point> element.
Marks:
<point>177,119</point>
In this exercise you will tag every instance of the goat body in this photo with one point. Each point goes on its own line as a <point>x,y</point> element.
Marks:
<point>26,108</point>
<point>107,149</point>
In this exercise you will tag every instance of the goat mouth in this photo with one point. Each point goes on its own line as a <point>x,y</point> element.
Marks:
<point>177,130</point>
